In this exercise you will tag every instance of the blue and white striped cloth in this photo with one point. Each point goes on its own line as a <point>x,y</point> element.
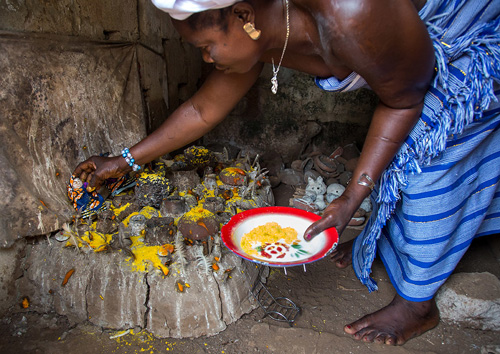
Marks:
<point>442,188</point>
<point>454,199</point>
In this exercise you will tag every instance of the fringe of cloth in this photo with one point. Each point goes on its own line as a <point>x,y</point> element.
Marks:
<point>462,97</point>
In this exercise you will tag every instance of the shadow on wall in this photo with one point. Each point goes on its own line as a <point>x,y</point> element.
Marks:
<point>55,114</point>
<point>299,118</point>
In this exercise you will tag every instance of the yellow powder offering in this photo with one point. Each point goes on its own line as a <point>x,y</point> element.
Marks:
<point>270,232</point>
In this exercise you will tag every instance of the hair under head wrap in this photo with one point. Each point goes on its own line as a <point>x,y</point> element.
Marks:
<point>182,9</point>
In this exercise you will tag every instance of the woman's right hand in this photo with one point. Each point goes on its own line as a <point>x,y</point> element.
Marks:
<point>97,169</point>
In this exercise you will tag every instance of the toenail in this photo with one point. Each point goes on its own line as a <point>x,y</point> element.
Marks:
<point>348,326</point>
<point>307,237</point>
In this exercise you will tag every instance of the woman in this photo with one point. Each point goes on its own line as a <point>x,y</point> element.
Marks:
<point>431,64</point>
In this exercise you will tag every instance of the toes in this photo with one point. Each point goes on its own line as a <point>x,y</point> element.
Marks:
<point>361,330</point>
<point>365,334</point>
<point>370,335</point>
<point>358,327</point>
<point>381,338</point>
<point>385,338</point>
<point>335,255</point>
<point>342,255</point>
<point>391,340</point>
<point>341,263</point>
<point>349,329</point>
<point>341,259</point>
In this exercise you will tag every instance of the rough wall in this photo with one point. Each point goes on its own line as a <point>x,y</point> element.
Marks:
<point>54,114</point>
<point>78,78</point>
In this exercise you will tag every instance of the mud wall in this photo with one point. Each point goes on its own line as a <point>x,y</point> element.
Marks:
<point>85,77</point>
<point>78,78</point>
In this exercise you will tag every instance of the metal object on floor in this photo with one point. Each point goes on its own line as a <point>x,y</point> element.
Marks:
<point>280,309</point>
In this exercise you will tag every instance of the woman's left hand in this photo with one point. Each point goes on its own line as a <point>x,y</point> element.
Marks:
<point>337,214</point>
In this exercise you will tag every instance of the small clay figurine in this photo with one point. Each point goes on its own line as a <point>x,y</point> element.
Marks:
<point>315,192</point>
<point>335,190</point>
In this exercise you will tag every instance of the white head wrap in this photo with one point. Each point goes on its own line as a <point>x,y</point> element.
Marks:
<point>182,9</point>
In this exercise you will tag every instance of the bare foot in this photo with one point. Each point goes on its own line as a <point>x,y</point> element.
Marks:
<point>396,323</point>
<point>342,255</point>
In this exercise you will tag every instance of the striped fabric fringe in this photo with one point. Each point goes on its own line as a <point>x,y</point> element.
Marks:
<point>467,61</point>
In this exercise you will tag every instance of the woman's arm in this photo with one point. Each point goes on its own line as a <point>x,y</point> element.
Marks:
<point>197,116</point>
<point>194,118</point>
<point>388,45</point>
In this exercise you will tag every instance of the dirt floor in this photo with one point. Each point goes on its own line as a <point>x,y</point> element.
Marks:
<point>328,297</point>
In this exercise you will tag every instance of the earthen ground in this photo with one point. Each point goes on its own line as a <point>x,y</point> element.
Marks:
<point>329,298</point>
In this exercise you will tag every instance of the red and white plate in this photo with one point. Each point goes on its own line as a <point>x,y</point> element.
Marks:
<point>277,255</point>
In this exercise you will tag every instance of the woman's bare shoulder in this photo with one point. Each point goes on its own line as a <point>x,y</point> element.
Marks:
<point>331,10</point>
<point>349,17</point>
<point>384,41</point>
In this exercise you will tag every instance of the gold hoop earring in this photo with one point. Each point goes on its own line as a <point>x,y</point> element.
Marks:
<point>251,31</point>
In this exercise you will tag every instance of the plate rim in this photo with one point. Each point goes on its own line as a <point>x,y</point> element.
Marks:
<point>228,227</point>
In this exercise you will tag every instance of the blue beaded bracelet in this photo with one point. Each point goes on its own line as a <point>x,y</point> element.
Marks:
<point>130,160</point>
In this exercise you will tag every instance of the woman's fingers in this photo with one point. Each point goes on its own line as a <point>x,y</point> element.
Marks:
<point>96,181</point>
<point>97,169</point>
<point>84,169</point>
<point>318,227</point>
<point>93,171</point>
<point>86,176</point>
<point>337,214</point>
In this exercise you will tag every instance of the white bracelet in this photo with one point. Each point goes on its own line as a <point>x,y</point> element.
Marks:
<point>130,160</point>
